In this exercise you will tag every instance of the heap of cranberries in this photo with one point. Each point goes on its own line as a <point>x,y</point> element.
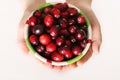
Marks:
<point>58,32</point>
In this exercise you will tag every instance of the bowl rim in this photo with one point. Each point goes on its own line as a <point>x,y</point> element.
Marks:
<point>73,60</point>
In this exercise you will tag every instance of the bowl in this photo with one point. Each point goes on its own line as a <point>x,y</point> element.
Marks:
<point>65,62</point>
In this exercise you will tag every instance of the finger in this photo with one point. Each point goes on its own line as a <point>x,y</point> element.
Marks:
<point>57,68</point>
<point>86,57</point>
<point>71,66</point>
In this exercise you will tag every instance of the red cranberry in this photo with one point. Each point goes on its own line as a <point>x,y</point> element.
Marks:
<point>72,11</point>
<point>68,43</point>
<point>65,14</point>
<point>63,50</point>
<point>33,40</point>
<point>71,21</point>
<point>72,29</point>
<point>32,21</point>
<point>38,29</point>
<point>60,40</point>
<point>51,47</point>
<point>40,48</point>
<point>81,20</point>
<point>56,12</point>
<point>44,39</point>
<point>63,23</point>
<point>47,10</point>
<point>80,35</point>
<point>37,13</point>
<point>64,32</point>
<point>76,50</point>
<point>48,20</point>
<point>83,44</point>
<point>61,6</point>
<point>54,30</point>
<point>56,56</point>
<point>68,55</point>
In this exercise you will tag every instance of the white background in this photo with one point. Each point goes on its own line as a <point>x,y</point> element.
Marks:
<point>14,65</point>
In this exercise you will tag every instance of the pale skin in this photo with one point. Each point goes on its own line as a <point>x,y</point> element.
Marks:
<point>85,5</point>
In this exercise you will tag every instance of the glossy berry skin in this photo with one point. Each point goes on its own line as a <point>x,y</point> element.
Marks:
<point>37,13</point>
<point>54,30</point>
<point>32,21</point>
<point>83,44</point>
<point>68,43</point>
<point>72,39</point>
<point>80,35</point>
<point>63,50</point>
<point>56,12</point>
<point>72,29</point>
<point>51,47</point>
<point>76,50</point>
<point>68,55</point>
<point>64,32</point>
<point>63,23</point>
<point>44,39</point>
<point>61,6</point>
<point>81,20</point>
<point>65,14</point>
<point>48,20</point>
<point>47,10</point>
<point>33,40</point>
<point>56,56</point>
<point>38,29</point>
<point>60,40</point>
<point>72,11</point>
<point>40,48</point>
<point>71,21</point>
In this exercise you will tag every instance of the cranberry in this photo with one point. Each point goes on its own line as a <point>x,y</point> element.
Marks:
<point>61,6</point>
<point>63,23</point>
<point>48,20</point>
<point>76,50</point>
<point>55,12</point>
<point>68,43</point>
<point>51,47</point>
<point>60,40</point>
<point>72,39</point>
<point>32,21</point>
<point>72,11</point>
<point>54,30</point>
<point>68,55</point>
<point>81,20</point>
<point>71,21</point>
<point>63,50</point>
<point>64,32</point>
<point>72,29</point>
<point>80,35</point>
<point>37,13</point>
<point>38,29</point>
<point>83,44</point>
<point>47,10</point>
<point>33,40</point>
<point>40,48</point>
<point>65,14</point>
<point>56,56</point>
<point>44,39</point>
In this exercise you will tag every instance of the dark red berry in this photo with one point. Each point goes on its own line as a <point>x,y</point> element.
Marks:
<point>71,21</point>
<point>56,12</point>
<point>68,43</point>
<point>63,23</point>
<point>51,47</point>
<point>48,20</point>
<point>68,55</point>
<point>64,32</point>
<point>60,40</point>
<point>40,48</point>
<point>56,56</point>
<point>44,39</point>
<point>81,20</point>
<point>37,13</point>
<point>76,50</point>
<point>65,14</point>
<point>72,29</point>
<point>61,6</point>
<point>80,35</point>
<point>63,50</point>
<point>83,44</point>
<point>38,29</point>
<point>72,11</point>
<point>32,21</point>
<point>33,40</point>
<point>54,30</point>
<point>47,10</point>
